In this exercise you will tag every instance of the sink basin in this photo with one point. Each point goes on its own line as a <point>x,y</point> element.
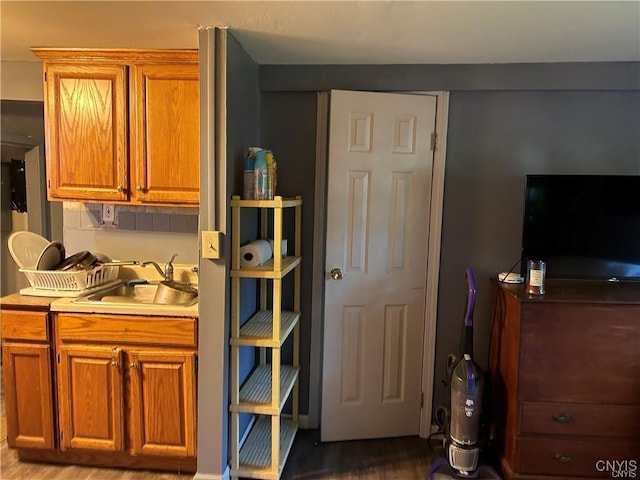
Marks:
<point>121,299</point>
<point>129,295</point>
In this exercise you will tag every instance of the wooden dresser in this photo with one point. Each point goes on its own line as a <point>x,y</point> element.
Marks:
<point>565,373</point>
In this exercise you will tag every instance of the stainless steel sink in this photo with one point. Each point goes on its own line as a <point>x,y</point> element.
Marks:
<point>129,295</point>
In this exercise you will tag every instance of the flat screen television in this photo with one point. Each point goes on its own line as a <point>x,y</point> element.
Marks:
<point>583,226</point>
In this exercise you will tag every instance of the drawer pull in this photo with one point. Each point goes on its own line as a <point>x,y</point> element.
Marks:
<point>562,418</point>
<point>562,458</point>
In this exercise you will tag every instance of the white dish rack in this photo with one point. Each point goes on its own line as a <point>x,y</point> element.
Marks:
<point>74,283</point>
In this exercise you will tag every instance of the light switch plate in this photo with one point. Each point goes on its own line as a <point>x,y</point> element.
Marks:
<point>210,244</point>
<point>108,212</point>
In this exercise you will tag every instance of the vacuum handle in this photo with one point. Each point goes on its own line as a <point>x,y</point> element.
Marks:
<point>471,298</point>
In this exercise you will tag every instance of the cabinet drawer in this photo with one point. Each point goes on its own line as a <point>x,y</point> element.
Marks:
<point>18,325</point>
<point>580,353</point>
<point>121,329</point>
<point>574,457</point>
<point>576,419</point>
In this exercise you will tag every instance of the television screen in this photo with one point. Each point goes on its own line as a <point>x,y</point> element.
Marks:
<point>583,226</point>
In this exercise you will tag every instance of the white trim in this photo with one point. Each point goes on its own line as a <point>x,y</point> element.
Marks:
<point>433,261</point>
<point>303,422</point>
<point>317,286</point>
<point>210,476</point>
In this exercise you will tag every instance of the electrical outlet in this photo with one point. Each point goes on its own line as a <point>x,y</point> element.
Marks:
<point>108,212</point>
<point>210,244</point>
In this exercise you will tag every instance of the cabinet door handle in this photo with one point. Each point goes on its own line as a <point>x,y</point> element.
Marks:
<point>114,363</point>
<point>562,417</point>
<point>562,458</point>
<point>133,365</point>
<point>139,188</point>
<point>120,188</point>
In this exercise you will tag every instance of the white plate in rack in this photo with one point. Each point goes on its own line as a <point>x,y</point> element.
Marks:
<point>25,248</point>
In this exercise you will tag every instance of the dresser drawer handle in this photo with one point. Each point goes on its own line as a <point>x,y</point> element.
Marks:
<point>562,418</point>
<point>562,458</point>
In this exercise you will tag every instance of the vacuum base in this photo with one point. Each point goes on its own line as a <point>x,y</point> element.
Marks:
<point>441,470</point>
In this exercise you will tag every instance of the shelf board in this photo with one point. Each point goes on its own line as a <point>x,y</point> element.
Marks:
<point>266,269</point>
<point>255,454</point>
<point>255,394</point>
<point>277,202</point>
<point>258,330</point>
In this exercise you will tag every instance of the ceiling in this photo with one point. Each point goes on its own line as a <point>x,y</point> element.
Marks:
<point>343,32</point>
<point>323,32</point>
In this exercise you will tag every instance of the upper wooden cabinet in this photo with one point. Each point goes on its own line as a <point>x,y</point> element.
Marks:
<point>122,126</point>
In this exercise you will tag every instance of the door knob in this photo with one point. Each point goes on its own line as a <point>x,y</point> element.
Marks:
<point>336,274</point>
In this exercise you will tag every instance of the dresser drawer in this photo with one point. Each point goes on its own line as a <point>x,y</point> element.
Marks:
<point>575,457</point>
<point>576,419</point>
<point>580,353</point>
<point>19,325</point>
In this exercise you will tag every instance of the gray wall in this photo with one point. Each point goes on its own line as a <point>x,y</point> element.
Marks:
<point>495,138</point>
<point>293,144</point>
<point>504,121</point>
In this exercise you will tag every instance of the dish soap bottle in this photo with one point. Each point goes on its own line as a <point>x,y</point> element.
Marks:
<point>269,162</point>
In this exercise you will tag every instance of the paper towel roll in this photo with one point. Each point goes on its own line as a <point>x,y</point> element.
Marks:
<point>255,253</point>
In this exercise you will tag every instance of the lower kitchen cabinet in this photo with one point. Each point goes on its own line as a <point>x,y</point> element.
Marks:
<point>91,398</point>
<point>28,398</point>
<point>156,387</point>
<point>133,393</point>
<point>28,385</point>
<point>163,400</point>
<point>98,389</point>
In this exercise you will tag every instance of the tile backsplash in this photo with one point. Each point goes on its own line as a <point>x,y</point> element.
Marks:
<point>137,233</point>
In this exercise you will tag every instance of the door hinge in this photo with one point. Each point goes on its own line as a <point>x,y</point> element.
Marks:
<point>434,137</point>
<point>45,76</point>
<point>58,357</point>
<point>196,363</point>
<point>421,399</point>
<point>61,435</point>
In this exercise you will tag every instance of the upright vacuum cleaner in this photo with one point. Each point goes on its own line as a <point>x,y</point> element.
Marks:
<point>463,422</point>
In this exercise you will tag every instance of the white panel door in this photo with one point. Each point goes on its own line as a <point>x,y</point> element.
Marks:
<point>380,168</point>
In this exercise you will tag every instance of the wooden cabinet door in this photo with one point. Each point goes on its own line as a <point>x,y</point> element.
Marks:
<point>28,395</point>
<point>86,131</point>
<point>91,398</point>
<point>165,133</point>
<point>163,403</point>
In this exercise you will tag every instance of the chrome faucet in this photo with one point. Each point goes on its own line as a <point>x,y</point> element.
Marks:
<point>167,274</point>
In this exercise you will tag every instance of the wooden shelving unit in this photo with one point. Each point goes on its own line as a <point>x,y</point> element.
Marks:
<point>264,451</point>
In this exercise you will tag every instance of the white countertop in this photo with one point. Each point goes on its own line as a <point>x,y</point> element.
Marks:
<point>148,309</point>
<point>182,273</point>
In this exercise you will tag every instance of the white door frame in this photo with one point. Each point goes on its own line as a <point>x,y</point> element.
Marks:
<point>433,260</point>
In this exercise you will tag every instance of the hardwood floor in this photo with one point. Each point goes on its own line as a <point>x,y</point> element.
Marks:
<point>405,458</point>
